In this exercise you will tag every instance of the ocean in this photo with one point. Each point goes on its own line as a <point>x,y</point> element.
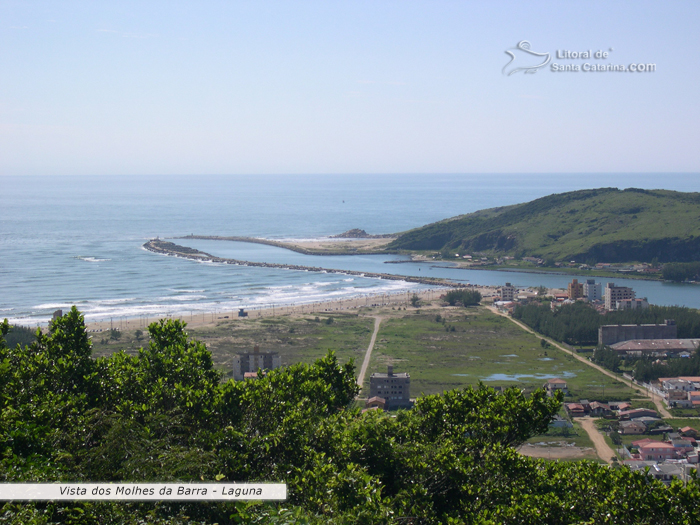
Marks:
<point>78,240</point>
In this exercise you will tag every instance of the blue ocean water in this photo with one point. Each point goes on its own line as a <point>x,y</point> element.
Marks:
<point>77,240</point>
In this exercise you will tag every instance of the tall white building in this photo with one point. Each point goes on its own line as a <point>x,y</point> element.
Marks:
<point>592,290</point>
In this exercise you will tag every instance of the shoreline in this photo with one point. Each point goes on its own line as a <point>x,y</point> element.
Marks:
<point>337,306</point>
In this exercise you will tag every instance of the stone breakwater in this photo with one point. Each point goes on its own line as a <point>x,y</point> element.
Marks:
<point>175,250</point>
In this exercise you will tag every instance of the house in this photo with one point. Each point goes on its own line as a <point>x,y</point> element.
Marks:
<point>658,451</point>
<point>599,409</point>
<point>658,430</point>
<point>376,402</point>
<point>648,420</point>
<point>393,388</point>
<point>632,427</point>
<point>637,413</point>
<point>664,472</point>
<point>683,445</point>
<point>552,385</point>
<point>575,409</point>
<point>619,405</point>
<point>644,441</point>
<point>688,432</point>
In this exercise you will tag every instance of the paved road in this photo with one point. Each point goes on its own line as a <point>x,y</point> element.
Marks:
<point>656,399</point>
<point>368,353</point>
<point>601,447</point>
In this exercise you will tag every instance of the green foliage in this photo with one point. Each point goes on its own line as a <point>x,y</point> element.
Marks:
<point>604,224</point>
<point>20,335</point>
<point>607,357</point>
<point>164,415</point>
<point>578,323</point>
<point>415,300</point>
<point>646,370</point>
<point>681,271</point>
<point>462,297</point>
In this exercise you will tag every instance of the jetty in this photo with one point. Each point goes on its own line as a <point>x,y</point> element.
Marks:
<point>163,247</point>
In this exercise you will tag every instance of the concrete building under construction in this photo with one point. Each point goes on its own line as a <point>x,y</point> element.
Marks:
<point>614,333</point>
<point>252,361</point>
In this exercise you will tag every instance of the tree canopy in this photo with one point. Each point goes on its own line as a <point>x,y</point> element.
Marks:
<point>165,415</point>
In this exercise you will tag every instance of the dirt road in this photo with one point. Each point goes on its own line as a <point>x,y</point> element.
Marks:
<point>601,447</point>
<point>656,399</point>
<point>368,353</point>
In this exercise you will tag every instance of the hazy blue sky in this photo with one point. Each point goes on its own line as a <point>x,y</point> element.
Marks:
<point>161,87</point>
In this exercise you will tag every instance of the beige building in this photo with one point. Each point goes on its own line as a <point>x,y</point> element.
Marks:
<point>394,388</point>
<point>250,362</point>
<point>615,294</point>
<point>575,289</point>
<point>508,292</point>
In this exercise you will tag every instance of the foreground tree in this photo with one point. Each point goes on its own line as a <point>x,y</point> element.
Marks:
<point>164,415</point>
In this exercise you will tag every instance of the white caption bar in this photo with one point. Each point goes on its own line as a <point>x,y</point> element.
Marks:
<point>143,491</point>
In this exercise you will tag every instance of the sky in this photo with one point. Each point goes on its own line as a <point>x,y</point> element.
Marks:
<point>328,87</point>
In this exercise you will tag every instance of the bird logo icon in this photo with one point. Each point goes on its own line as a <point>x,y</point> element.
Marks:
<point>525,57</point>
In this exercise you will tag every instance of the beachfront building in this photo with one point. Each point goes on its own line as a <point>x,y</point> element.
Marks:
<point>592,290</point>
<point>614,294</point>
<point>250,362</point>
<point>395,389</point>
<point>575,289</point>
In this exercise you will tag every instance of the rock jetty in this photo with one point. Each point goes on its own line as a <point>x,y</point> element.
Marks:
<point>175,250</point>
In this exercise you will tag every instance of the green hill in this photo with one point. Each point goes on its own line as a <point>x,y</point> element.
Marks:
<point>605,224</point>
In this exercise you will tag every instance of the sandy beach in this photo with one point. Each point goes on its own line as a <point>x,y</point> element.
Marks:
<point>337,305</point>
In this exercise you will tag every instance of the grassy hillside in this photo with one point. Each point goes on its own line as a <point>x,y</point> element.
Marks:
<point>605,224</point>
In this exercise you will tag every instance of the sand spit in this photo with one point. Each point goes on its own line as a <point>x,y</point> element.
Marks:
<point>330,246</point>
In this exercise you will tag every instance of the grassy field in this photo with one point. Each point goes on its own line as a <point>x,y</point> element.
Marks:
<point>297,339</point>
<point>573,436</point>
<point>467,346</point>
<point>441,347</point>
<point>680,423</point>
<point>606,223</point>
